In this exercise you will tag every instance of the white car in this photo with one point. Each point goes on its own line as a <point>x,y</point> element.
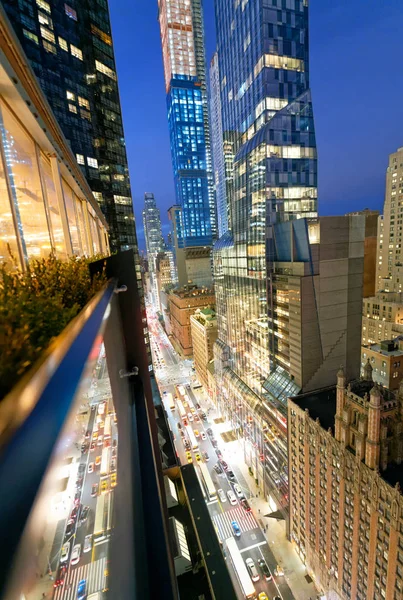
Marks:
<point>250,565</point>
<point>238,490</point>
<point>87,543</point>
<point>190,416</point>
<point>232,497</point>
<point>222,495</point>
<point>75,555</point>
<point>90,467</point>
<point>203,435</point>
<point>65,552</point>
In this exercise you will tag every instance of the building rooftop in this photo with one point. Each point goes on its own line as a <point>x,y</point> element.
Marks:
<point>192,291</point>
<point>388,347</point>
<point>321,405</point>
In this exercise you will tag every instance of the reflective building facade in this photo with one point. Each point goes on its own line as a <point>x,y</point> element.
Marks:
<point>152,225</point>
<point>182,37</point>
<point>70,49</point>
<point>267,117</point>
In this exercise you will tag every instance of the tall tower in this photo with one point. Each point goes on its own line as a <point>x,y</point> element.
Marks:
<point>152,226</point>
<point>70,48</point>
<point>263,56</point>
<point>182,37</point>
<point>218,148</point>
<point>390,252</point>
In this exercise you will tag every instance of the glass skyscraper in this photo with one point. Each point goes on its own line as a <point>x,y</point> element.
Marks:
<point>267,117</point>
<point>152,225</point>
<point>182,36</point>
<point>69,46</point>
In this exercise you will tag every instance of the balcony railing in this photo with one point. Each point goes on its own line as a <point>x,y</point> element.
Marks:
<point>50,428</point>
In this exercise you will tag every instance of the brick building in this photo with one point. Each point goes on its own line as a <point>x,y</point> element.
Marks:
<point>386,360</point>
<point>345,448</point>
<point>204,333</point>
<point>183,303</point>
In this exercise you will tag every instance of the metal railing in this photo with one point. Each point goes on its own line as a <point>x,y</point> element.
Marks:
<point>35,420</point>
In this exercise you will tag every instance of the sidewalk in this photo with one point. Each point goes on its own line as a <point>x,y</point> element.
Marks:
<point>283,550</point>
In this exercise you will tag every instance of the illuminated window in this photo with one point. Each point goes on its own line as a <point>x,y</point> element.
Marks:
<point>70,96</point>
<point>118,177</point>
<point>48,35</point>
<point>31,36</point>
<point>122,200</point>
<point>80,159</point>
<point>73,108</point>
<point>105,70</point>
<point>70,12</point>
<point>43,5</point>
<point>101,35</point>
<point>90,79</point>
<point>83,102</point>
<point>49,47</point>
<point>92,162</point>
<point>63,44</point>
<point>85,114</point>
<point>45,20</point>
<point>76,52</point>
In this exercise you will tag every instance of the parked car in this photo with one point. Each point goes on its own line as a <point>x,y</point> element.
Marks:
<point>203,416</point>
<point>236,529</point>
<point>61,574</point>
<point>214,442</point>
<point>263,596</point>
<point>250,565</point>
<point>75,555</point>
<point>90,467</point>
<point>190,417</point>
<point>232,497</point>
<point>266,571</point>
<point>94,490</point>
<point>218,452</point>
<point>179,425</point>
<point>198,406</point>
<point>87,543</point>
<point>210,432</point>
<point>231,475</point>
<point>203,435</point>
<point>224,464</point>
<point>222,495</point>
<point>84,514</point>
<point>64,555</point>
<point>206,456</point>
<point>217,468</point>
<point>245,505</point>
<point>237,488</point>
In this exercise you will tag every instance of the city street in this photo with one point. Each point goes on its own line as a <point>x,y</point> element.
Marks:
<point>171,371</point>
<point>86,504</point>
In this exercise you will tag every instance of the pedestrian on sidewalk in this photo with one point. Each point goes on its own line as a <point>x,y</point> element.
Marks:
<point>259,511</point>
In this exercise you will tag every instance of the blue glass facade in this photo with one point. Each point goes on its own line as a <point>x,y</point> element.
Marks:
<point>188,148</point>
<point>267,115</point>
<point>182,37</point>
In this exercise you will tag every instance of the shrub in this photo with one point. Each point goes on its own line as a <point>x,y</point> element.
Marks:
<point>35,307</point>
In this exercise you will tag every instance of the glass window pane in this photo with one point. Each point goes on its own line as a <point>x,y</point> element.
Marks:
<point>71,217</point>
<point>25,184</point>
<point>81,226</point>
<point>55,218</point>
<point>94,233</point>
<point>8,240</point>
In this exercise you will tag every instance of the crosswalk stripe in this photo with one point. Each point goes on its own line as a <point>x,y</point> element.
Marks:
<point>93,573</point>
<point>246,521</point>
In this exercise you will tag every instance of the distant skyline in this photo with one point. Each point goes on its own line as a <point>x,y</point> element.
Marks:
<point>355,48</point>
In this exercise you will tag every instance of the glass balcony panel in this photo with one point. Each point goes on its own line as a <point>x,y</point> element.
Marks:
<point>26,191</point>
<point>55,218</point>
<point>8,240</point>
<point>71,217</point>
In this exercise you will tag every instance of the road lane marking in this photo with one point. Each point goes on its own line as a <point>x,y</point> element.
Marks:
<point>253,546</point>
<point>212,502</point>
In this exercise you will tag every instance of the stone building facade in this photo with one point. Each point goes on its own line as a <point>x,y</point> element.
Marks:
<point>183,303</point>
<point>346,507</point>
<point>204,333</point>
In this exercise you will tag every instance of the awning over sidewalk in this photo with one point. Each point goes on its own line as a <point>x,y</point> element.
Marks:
<point>276,515</point>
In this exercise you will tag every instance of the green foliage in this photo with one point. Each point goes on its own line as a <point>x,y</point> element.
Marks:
<point>35,307</point>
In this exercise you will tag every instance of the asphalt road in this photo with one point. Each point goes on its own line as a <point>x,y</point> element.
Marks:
<point>92,564</point>
<point>171,371</point>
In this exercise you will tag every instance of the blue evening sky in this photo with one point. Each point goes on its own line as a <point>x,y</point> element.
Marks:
<point>356,50</point>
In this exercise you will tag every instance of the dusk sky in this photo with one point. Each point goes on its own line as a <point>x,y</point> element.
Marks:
<point>356,50</point>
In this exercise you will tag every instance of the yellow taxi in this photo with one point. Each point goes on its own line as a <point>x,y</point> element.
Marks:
<point>95,435</point>
<point>113,480</point>
<point>198,457</point>
<point>196,432</point>
<point>263,596</point>
<point>104,486</point>
<point>97,461</point>
<point>189,456</point>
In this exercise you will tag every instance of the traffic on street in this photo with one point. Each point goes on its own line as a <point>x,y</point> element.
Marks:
<point>79,555</point>
<point>192,419</point>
